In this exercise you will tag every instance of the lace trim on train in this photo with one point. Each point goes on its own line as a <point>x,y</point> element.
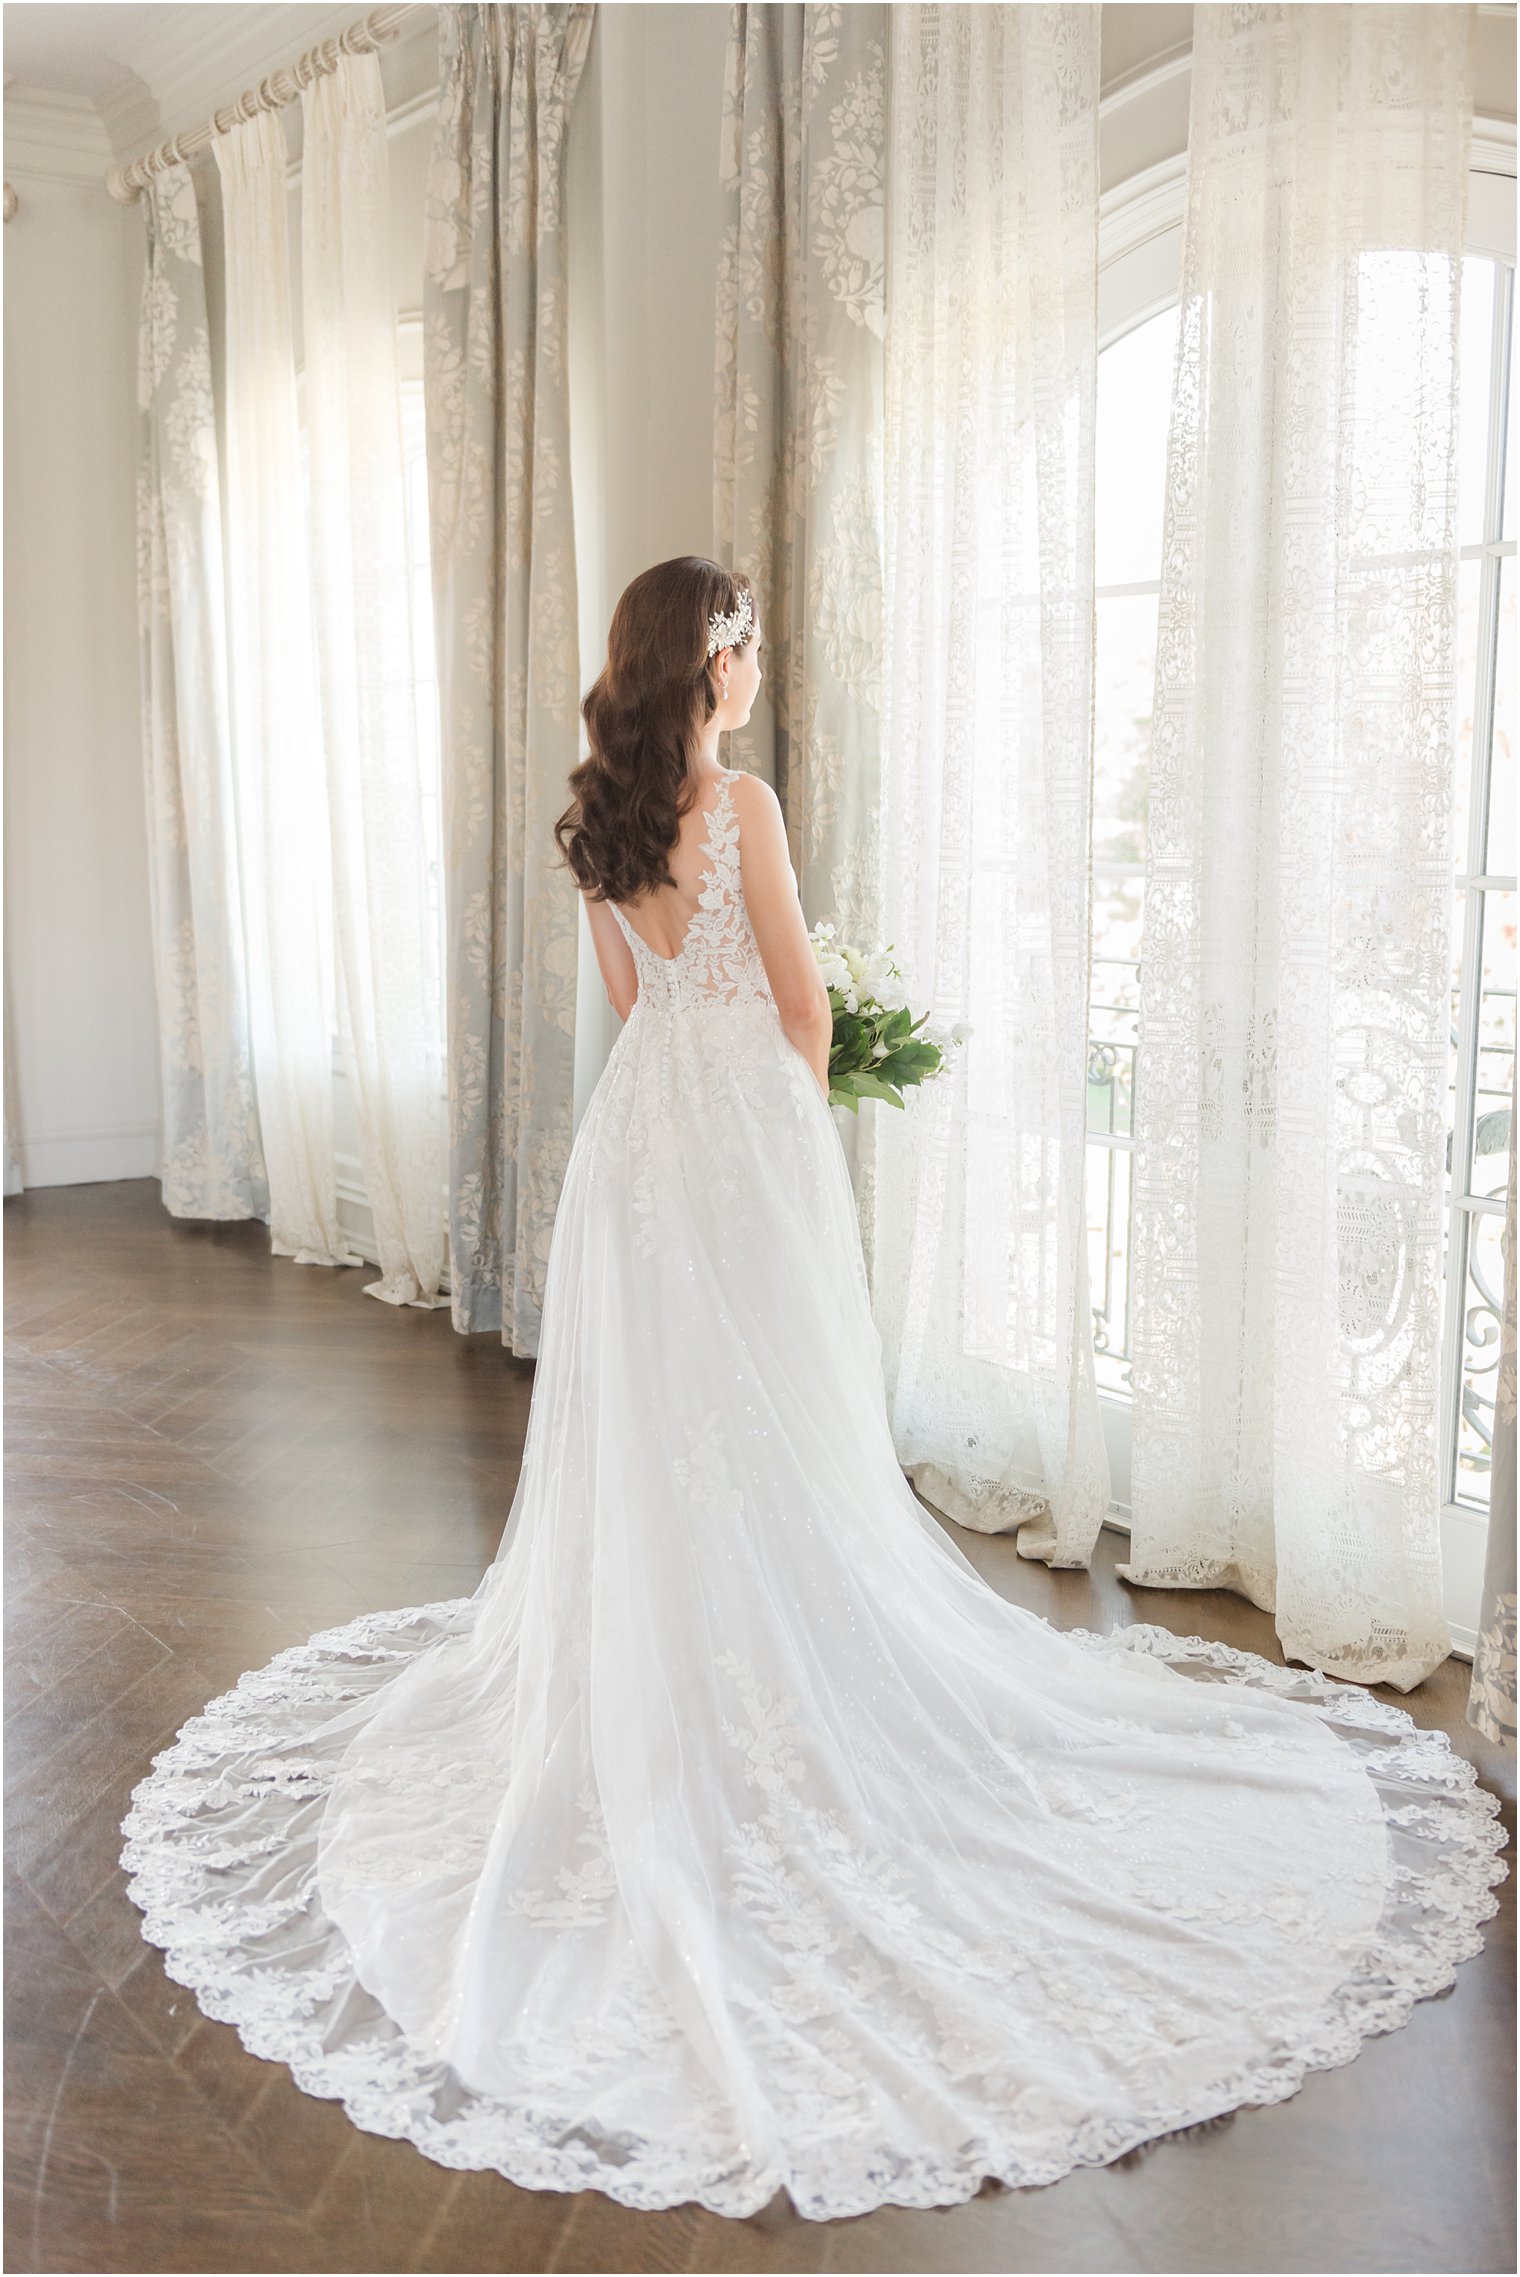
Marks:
<point>210,1936</point>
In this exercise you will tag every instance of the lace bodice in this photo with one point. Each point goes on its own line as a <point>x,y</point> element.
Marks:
<point>718,961</point>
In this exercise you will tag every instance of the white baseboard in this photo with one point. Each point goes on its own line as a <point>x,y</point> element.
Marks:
<point>89,1158</point>
<point>357,1219</point>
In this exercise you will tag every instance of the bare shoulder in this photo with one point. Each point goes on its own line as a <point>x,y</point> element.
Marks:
<point>754,800</point>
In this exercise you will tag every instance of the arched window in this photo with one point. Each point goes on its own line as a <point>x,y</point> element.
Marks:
<point>1135,372</point>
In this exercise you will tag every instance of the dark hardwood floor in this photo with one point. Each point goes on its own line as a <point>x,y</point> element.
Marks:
<point>212,1452</point>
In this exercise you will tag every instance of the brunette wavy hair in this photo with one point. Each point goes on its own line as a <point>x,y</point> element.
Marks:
<point>644,714</point>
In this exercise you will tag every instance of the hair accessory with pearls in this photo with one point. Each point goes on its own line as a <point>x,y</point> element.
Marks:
<point>734,629</point>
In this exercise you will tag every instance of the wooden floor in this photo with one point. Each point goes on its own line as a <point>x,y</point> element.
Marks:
<point>212,1453</point>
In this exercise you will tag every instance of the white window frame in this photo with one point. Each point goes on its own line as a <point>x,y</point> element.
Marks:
<point>1139,272</point>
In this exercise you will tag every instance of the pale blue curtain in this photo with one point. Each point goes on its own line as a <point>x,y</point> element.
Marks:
<point>798,425</point>
<point>503,551</point>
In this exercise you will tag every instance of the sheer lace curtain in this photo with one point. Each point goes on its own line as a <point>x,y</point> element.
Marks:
<point>1295,976</point>
<point>389,1003</point>
<point>213,1164</point>
<point>503,556</point>
<point>979,1248</point>
<point>276,713</point>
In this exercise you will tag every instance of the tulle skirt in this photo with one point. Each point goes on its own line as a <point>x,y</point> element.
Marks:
<point>734,1836</point>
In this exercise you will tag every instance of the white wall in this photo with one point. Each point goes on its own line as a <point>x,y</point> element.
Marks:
<point>79,990</point>
<point>643,225</point>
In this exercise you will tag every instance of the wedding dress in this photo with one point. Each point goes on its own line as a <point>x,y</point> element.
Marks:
<point>734,1835</point>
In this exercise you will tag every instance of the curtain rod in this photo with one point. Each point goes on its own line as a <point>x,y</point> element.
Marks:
<point>127,183</point>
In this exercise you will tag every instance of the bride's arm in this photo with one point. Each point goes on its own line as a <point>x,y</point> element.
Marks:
<point>781,935</point>
<point>614,958</point>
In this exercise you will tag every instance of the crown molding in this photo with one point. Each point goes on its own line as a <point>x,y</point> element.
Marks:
<point>129,114</point>
<point>198,78</point>
<point>1493,146</point>
<point>195,66</point>
<point>61,138</point>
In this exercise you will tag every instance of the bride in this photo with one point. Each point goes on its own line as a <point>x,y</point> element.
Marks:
<point>734,1836</point>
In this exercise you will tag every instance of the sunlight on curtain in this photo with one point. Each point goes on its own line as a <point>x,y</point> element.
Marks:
<point>979,1259</point>
<point>276,718</point>
<point>212,1161</point>
<point>1293,988</point>
<point>387,956</point>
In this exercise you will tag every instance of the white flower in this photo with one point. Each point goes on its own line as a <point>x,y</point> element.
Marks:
<point>836,973</point>
<point>878,1051</point>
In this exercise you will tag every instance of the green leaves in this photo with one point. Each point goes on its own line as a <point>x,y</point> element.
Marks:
<point>849,1090</point>
<point>874,1053</point>
<point>858,1070</point>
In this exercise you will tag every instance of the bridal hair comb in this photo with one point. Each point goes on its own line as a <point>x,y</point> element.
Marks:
<point>733,630</point>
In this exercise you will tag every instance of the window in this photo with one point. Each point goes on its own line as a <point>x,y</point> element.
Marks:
<point>1483,914</point>
<point>1134,395</point>
<point>1135,374</point>
<point>424,657</point>
<point>424,662</point>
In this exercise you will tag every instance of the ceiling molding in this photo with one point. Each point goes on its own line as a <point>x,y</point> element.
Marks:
<point>193,66</point>
<point>59,137</point>
<point>192,80</point>
<point>129,114</point>
<point>1493,146</point>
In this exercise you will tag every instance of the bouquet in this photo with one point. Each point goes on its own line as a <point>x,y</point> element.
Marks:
<point>878,1047</point>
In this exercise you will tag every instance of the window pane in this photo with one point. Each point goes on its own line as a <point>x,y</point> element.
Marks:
<point>1126,685</point>
<point>1114,1025</point>
<point>1511,471</point>
<point>1496,1048</point>
<point>1501,808</point>
<point>1469,579</point>
<point>1108,1213</point>
<point>1476,353</point>
<point>1483,1266</point>
<point>1134,391</point>
<point>1453,1060</point>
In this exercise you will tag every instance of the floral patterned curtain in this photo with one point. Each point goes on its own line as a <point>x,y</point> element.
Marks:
<point>1491,1705</point>
<point>503,551</point>
<point>213,1164</point>
<point>1294,985</point>
<point>798,423</point>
